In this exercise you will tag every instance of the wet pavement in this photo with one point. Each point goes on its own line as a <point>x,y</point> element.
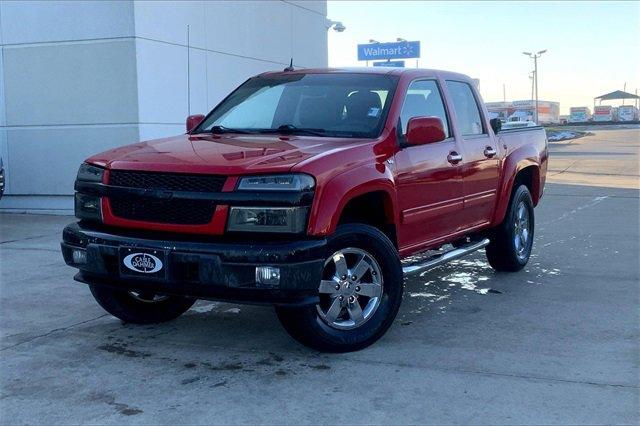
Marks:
<point>555,343</point>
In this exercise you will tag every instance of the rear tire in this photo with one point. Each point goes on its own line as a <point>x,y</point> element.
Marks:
<point>511,241</point>
<point>140,307</point>
<point>369,302</point>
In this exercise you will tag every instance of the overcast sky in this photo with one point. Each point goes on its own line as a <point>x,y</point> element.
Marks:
<point>593,47</point>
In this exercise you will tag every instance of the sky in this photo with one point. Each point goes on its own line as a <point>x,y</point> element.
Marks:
<point>592,47</point>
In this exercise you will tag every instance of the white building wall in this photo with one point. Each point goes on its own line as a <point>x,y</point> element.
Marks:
<point>77,78</point>
<point>68,91</point>
<point>3,120</point>
<point>229,42</point>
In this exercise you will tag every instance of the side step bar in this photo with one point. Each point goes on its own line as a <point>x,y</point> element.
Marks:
<point>442,258</point>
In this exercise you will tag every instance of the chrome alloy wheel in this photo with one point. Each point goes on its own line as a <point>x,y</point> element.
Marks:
<point>350,290</point>
<point>522,231</point>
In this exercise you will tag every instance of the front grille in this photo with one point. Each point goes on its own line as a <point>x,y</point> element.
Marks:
<point>179,212</point>
<point>173,211</point>
<point>167,181</point>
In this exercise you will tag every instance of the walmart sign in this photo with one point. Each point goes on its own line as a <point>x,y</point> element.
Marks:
<point>391,64</point>
<point>398,50</point>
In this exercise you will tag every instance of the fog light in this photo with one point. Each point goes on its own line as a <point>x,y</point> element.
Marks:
<point>79,256</point>
<point>267,276</point>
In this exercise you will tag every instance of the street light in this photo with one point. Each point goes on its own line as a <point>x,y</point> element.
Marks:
<point>336,25</point>
<point>535,57</point>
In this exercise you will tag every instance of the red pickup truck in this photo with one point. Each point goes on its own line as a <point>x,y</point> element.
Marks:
<point>311,190</point>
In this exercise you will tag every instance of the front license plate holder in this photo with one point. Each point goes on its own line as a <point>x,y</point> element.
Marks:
<point>143,263</point>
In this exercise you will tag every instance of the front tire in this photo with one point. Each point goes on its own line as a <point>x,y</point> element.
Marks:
<point>360,293</point>
<point>512,241</point>
<point>140,307</point>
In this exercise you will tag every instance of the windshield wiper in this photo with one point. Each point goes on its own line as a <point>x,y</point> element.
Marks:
<point>290,129</point>
<point>223,129</point>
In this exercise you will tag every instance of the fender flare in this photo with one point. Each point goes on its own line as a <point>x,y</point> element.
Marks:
<point>332,197</point>
<point>514,163</point>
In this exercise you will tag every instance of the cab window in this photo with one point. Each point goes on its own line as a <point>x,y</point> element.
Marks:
<point>350,105</point>
<point>423,100</point>
<point>467,111</point>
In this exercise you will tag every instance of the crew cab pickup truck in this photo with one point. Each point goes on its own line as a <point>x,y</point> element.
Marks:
<point>314,191</point>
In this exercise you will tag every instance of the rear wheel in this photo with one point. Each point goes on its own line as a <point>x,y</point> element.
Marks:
<point>140,307</point>
<point>512,240</point>
<point>360,293</point>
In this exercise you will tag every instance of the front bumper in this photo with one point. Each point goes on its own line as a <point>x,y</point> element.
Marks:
<point>204,268</point>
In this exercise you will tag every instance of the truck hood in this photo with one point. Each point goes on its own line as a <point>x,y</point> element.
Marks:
<point>220,154</point>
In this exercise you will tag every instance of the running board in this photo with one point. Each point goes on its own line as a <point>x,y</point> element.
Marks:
<point>443,258</point>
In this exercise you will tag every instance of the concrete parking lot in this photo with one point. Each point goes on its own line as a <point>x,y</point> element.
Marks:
<point>556,343</point>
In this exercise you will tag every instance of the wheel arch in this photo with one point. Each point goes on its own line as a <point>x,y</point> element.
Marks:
<point>373,208</point>
<point>521,168</point>
<point>529,176</point>
<point>344,198</point>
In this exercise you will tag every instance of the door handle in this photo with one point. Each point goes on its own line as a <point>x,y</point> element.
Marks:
<point>454,157</point>
<point>489,152</point>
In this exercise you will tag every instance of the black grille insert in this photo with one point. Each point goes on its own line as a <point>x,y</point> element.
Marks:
<point>167,181</point>
<point>175,211</point>
<point>180,212</point>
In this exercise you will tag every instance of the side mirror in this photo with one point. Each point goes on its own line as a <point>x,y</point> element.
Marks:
<point>193,121</point>
<point>496,124</point>
<point>424,130</point>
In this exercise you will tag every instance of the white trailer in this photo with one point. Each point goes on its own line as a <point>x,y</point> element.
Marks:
<point>605,113</point>
<point>627,113</point>
<point>579,114</point>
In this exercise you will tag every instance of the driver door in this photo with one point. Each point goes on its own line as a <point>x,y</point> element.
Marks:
<point>428,177</point>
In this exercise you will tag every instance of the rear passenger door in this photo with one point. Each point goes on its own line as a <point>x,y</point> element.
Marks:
<point>481,162</point>
<point>429,185</point>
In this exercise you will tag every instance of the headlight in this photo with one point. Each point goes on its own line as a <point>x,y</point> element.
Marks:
<point>89,173</point>
<point>268,219</point>
<point>89,207</point>
<point>289,182</point>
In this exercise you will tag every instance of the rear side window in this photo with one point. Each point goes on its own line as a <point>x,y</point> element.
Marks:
<point>466,107</point>
<point>423,100</point>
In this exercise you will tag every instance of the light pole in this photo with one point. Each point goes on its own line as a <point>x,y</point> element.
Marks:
<point>535,57</point>
<point>532,77</point>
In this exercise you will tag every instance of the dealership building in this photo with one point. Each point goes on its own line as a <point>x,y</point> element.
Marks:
<point>77,78</point>
<point>548,111</point>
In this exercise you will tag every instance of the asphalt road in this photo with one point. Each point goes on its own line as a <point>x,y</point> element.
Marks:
<point>609,158</point>
<point>556,343</point>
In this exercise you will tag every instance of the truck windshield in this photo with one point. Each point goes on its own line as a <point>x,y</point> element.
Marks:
<point>333,105</point>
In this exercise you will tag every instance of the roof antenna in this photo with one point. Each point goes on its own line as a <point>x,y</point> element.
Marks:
<point>290,67</point>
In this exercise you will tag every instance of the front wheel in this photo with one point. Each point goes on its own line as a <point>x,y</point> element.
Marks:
<point>512,240</point>
<point>360,293</point>
<point>140,307</point>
